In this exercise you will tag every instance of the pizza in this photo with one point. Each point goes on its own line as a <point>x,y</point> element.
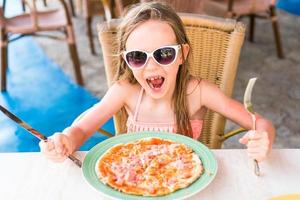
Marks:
<point>149,167</point>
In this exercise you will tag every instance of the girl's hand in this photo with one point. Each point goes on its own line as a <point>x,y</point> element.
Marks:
<point>57,148</point>
<point>258,144</point>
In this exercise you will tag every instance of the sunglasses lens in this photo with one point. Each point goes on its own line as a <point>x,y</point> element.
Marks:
<point>165,55</point>
<point>136,59</point>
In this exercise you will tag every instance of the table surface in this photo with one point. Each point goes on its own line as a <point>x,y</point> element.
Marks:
<point>31,176</point>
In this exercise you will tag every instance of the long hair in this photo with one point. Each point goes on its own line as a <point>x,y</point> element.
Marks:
<point>134,17</point>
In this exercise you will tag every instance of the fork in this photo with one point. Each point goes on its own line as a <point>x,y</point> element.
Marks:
<point>249,107</point>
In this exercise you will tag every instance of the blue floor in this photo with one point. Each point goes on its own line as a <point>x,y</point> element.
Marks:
<point>291,6</point>
<point>43,96</point>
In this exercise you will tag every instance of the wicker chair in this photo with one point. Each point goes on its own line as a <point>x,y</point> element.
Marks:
<point>216,45</point>
<point>31,24</point>
<point>252,8</point>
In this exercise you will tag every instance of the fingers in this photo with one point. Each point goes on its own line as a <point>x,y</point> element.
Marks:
<point>244,140</point>
<point>254,135</point>
<point>56,148</point>
<point>257,144</point>
<point>259,156</point>
<point>44,146</point>
<point>59,143</point>
<point>251,136</point>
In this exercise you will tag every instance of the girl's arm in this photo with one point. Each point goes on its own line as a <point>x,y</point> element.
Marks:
<point>259,142</point>
<point>96,116</point>
<point>61,145</point>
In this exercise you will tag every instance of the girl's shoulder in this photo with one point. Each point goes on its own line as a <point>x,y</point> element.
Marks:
<point>195,85</point>
<point>199,91</point>
<point>124,87</point>
<point>127,92</point>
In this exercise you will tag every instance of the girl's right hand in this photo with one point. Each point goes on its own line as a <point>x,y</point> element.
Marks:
<point>57,148</point>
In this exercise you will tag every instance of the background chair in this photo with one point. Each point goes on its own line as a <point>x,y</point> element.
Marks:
<point>191,6</point>
<point>24,5</point>
<point>216,45</point>
<point>91,8</point>
<point>118,6</point>
<point>31,24</point>
<point>105,8</point>
<point>252,8</point>
<point>71,7</point>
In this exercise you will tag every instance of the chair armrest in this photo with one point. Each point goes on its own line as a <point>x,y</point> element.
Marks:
<point>104,132</point>
<point>232,133</point>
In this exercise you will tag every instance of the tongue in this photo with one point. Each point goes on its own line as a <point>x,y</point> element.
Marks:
<point>157,82</point>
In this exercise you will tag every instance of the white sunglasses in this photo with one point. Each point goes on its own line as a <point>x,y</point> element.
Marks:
<point>164,56</point>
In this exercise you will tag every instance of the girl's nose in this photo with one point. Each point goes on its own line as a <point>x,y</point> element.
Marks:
<point>151,64</point>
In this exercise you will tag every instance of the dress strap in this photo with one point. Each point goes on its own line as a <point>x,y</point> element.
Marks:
<point>137,107</point>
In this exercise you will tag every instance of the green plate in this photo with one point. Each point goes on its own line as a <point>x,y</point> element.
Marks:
<point>208,160</point>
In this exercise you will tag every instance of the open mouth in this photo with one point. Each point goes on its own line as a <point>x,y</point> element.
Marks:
<point>155,82</point>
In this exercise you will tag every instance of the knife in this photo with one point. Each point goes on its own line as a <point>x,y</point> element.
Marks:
<point>249,107</point>
<point>34,132</point>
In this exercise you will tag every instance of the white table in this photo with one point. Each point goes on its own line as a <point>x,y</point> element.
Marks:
<point>29,176</point>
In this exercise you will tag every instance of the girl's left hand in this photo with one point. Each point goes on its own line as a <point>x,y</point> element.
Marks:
<point>258,144</point>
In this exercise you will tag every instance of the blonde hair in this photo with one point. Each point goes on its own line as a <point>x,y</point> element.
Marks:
<point>139,14</point>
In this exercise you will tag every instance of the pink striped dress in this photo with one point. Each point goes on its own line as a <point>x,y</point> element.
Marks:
<point>133,125</point>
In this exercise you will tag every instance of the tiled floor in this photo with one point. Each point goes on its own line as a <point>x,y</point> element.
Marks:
<point>276,93</point>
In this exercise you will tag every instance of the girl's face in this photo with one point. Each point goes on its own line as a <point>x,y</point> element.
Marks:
<point>157,80</point>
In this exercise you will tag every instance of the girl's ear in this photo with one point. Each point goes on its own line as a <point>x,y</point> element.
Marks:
<point>185,48</point>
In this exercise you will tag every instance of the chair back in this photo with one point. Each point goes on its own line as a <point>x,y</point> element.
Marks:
<point>251,8</point>
<point>35,14</point>
<point>190,6</point>
<point>34,22</point>
<point>236,8</point>
<point>120,6</point>
<point>216,44</point>
<point>92,8</point>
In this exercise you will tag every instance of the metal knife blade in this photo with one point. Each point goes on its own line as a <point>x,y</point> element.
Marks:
<point>249,107</point>
<point>23,124</point>
<point>33,131</point>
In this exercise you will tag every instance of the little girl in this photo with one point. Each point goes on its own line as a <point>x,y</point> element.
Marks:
<point>155,88</point>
